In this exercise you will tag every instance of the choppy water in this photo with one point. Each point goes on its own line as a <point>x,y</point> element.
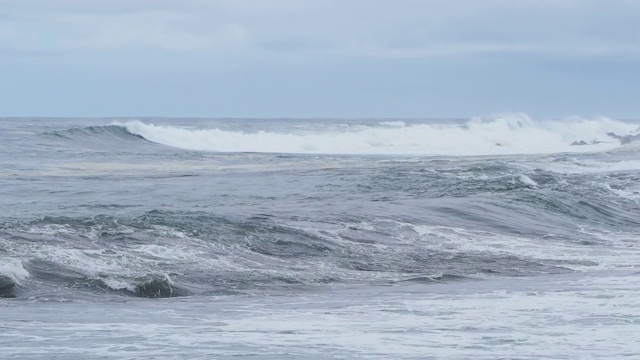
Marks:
<point>186,238</point>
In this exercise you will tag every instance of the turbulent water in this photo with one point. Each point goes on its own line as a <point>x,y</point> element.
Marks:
<point>498,237</point>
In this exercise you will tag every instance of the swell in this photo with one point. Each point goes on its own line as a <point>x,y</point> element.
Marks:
<point>517,196</point>
<point>167,254</point>
<point>87,140</point>
<point>95,131</point>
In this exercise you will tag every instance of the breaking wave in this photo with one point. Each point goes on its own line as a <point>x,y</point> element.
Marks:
<point>495,135</point>
<point>12,273</point>
<point>162,254</point>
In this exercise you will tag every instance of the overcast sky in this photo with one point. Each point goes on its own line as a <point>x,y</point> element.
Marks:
<point>319,58</point>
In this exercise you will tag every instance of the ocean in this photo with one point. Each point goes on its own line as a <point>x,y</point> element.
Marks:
<point>500,237</point>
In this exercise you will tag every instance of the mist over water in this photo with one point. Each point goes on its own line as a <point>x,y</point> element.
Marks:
<point>505,233</point>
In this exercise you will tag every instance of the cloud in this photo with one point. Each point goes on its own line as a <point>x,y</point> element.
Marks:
<point>161,30</point>
<point>371,28</point>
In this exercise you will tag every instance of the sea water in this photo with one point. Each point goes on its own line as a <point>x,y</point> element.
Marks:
<point>484,238</point>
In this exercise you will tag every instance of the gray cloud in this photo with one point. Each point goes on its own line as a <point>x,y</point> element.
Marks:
<point>319,57</point>
<point>408,28</point>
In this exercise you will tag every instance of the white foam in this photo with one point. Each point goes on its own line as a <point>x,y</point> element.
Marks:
<point>632,193</point>
<point>528,181</point>
<point>394,123</point>
<point>614,251</point>
<point>119,284</point>
<point>581,166</point>
<point>13,270</point>
<point>495,135</point>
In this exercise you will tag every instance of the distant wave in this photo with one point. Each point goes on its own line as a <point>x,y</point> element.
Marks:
<point>494,135</point>
<point>92,131</point>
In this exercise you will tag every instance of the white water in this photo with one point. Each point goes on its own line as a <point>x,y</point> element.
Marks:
<point>495,135</point>
<point>12,272</point>
<point>528,181</point>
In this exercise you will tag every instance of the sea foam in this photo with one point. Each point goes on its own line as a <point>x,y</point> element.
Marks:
<point>11,272</point>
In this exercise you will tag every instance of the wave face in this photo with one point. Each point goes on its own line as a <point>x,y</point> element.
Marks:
<point>495,135</point>
<point>94,131</point>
